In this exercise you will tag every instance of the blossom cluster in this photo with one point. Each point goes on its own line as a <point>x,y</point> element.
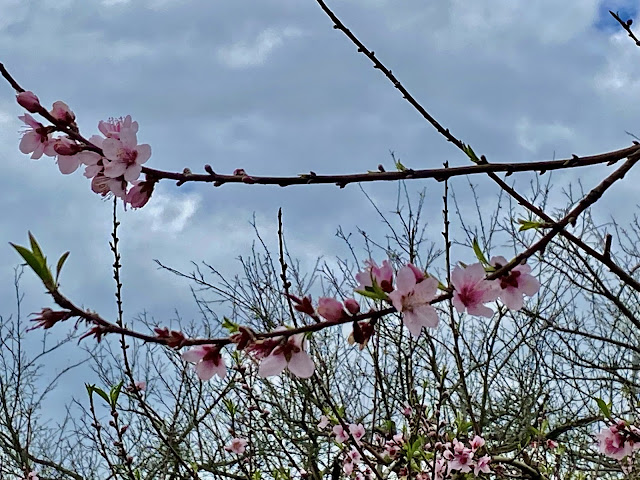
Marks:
<point>437,460</point>
<point>619,441</point>
<point>411,295</point>
<point>112,161</point>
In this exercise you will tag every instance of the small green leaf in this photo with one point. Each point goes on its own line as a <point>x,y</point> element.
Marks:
<point>478,251</point>
<point>529,224</point>
<point>605,408</point>
<point>63,259</point>
<point>92,388</point>
<point>471,154</point>
<point>228,325</point>
<point>115,393</point>
<point>400,167</point>
<point>36,248</point>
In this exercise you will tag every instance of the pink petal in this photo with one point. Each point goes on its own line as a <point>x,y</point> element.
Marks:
<point>68,163</point>
<point>480,310</point>
<point>426,290</point>
<point>206,370</point>
<point>272,365</point>
<point>114,169</point>
<point>89,158</point>
<point>110,148</point>
<point>144,153</point>
<point>512,298</point>
<point>29,142</point>
<point>132,172</point>
<point>396,299</point>
<point>529,285</point>
<point>406,280</point>
<point>301,365</point>
<point>195,354</point>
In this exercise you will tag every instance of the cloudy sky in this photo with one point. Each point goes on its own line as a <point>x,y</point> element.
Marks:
<point>269,86</point>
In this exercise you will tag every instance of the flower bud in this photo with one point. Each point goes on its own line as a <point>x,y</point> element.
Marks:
<point>28,101</point>
<point>352,306</point>
<point>62,113</point>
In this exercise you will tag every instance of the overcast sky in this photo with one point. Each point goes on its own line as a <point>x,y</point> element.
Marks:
<point>271,87</point>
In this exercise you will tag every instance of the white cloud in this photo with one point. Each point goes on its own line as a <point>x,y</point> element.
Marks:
<point>254,53</point>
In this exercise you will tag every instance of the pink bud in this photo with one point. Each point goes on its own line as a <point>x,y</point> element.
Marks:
<point>62,113</point>
<point>352,306</point>
<point>417,272</point>
<point>66,146</point>
<point>330,308</point>
<point>29,101</point>
<point>139,194</point>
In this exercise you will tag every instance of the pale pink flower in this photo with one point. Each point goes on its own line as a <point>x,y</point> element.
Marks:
<point>208,361</point>
<point>407,411</point>
<point>140,385</point>
<point>35,140</point>
<point>356,431</point>
<point>289,355</point>
<point>383,276</point>
<point>440,468</point>
<point>324,421</point>
<point>551,444</point>
<point>347,467</point>
<point>462,460</point>
<point>476,443</point>
<point>515,284</point>
<point>28,101</point>
<point>32,476</point>
<point>62,112</point>
<point>341,435</point>
<point>612,444</point>
<point>112,127</point>
<point>354,455</point>
<point>236,445</point>
<point>472,290</point>
<point>124,154</point>
<point>482,465</point>
<point>412,299</point>
<point>330,308</point>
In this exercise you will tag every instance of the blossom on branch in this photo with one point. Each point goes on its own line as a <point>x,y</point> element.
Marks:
<point>29,101</point>
<point>382,276</point>
<point>236,445</point>
<point>515,284</point>
<point>613,444</point>
<point>412,298</point>
<point>472,290</point>
<point>124,154</point>
<point>331,309</point>
<point>208,361</point>
<point>36,140</point>
<point>290,354</point>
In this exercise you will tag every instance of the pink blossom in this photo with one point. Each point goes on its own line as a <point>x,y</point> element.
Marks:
<point>330,308</point>
<point>354,455</point>
<point>32,476</point>
<point>476,443</point>
<point>407,411</point>
<point>412,299</point>
<point>356,431</point>
<point>482,465</point>
<point>236,445</point>
<point>324,421</point>
<point>347,467</point>
<point>439,468</point>
<point>551,444</point>
<point>291,355</point>
<point>515,284</point>
<point>112,127</point>
<point>341,435</point>
<point>124,154</point>
<point>28,101</point>
<point>472,290</point>
<point>140,385</point>
<point>62,112</point>
<point>140,193</point>
<point>383,276</point>
<point>462,460</point>
<point>36,139</point>
<point>208,361</point>
<point>612,444</point>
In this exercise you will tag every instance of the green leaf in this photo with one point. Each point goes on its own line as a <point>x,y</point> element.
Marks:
<point>63,259</point>
<point>37,264</point>
<point>478,251</point>
<point>115,393</point>
<point>228,325</point>
<point>471,154</point>
<point>36,248</point>
<point>605,408</point>
<point>93,389</point>
<point>529,224</point>
<point>230,406</point>
<point>400,167</point>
